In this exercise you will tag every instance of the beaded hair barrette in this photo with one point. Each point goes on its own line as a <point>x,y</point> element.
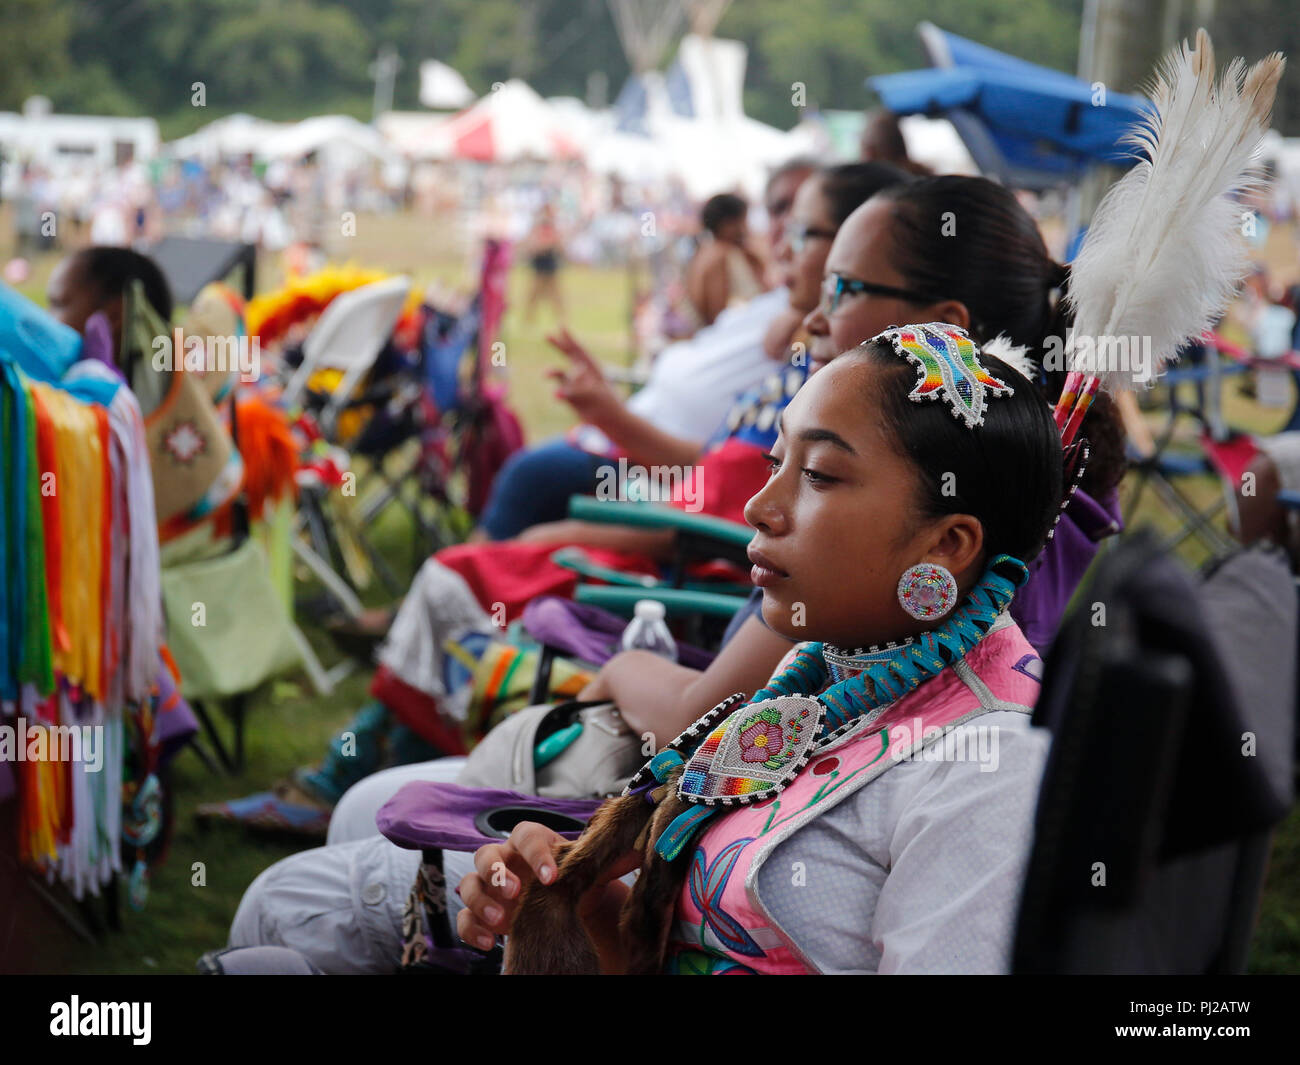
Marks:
<point>948,366</point>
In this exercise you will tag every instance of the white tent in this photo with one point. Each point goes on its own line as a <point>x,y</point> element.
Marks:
<point>340,141</point>
<point>691,124</point>
<point>229,137</point>
<point>627,156</point>
<point>442,88</point>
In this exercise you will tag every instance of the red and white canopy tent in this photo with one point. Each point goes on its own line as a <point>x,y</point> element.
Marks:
<point>509,124</point>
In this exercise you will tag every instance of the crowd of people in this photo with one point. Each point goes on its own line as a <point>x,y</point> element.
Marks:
<point>809,451</point>
<point>867,223</point>
<point>865,387</point>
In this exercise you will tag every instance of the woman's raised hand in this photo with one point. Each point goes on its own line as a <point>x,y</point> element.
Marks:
<point>582,385</point>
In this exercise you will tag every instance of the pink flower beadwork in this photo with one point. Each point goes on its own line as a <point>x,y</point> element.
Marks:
<point>761,742</point>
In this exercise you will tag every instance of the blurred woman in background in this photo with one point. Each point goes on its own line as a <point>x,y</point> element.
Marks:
<point>725,268</point>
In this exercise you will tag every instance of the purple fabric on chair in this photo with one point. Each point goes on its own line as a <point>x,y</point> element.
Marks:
<point>589,633</point>
<point>447,816</point>
<point>177,726</point>
<point>1039,606</point>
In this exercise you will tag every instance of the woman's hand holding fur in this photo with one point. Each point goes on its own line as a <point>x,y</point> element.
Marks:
<point>503,873</point>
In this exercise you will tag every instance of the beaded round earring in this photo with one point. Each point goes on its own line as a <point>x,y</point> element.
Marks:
<point>927,591</point>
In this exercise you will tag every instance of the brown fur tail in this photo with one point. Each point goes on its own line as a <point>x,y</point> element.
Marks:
<point>547,935</point>
<point>647,915</point>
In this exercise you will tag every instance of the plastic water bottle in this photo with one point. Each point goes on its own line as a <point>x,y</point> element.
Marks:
<point>648,631</point>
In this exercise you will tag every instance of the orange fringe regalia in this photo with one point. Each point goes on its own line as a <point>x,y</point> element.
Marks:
<point>270,456</point>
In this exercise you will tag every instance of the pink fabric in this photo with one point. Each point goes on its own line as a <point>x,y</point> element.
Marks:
<point>728,848</point>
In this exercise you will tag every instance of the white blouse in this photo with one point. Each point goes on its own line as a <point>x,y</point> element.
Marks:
<point>920,870</point>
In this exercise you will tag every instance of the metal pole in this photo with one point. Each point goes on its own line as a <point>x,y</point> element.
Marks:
<point>1120,43</point>
<point>384,70</point>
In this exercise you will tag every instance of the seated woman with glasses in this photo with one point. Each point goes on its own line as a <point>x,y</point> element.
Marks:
<point>719,475</point>
<point>968,241</point>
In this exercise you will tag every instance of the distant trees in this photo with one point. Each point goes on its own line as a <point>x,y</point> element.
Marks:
<point>297,57</point>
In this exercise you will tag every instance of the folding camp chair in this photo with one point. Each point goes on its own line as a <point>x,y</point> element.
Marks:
<point>225,596</point>
<point>1222,452</point>
<point>701,543</point>
<point>235,579</point>
<point>440,439</point>
<point>348,336</point>
<point>476,431</point>
<point>1171,763</point>
<point>411,449</point>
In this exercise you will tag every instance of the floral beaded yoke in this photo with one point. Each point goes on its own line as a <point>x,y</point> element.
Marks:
<point>722,922</point>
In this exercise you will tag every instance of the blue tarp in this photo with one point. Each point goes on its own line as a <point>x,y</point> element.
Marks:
<point>1027,125</point>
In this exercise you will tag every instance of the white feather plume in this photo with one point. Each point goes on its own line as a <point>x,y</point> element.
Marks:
<point>1014,355</point>
<point>1164,253</point>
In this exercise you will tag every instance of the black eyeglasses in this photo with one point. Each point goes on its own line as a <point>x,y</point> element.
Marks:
<point>836,286</point>
<point>801,234</point>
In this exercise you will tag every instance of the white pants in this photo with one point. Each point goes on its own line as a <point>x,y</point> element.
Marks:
<point>354,815</point>
<point>341,905</point>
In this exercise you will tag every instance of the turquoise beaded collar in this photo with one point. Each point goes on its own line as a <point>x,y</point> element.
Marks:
<point>742,753</point>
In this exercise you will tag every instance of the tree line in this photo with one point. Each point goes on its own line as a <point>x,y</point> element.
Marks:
<point>289,59</point>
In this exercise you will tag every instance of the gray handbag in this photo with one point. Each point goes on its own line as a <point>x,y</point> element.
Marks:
<point>596,764</point>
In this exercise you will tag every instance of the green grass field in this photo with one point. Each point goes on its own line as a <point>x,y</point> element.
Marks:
<point>289,724</point>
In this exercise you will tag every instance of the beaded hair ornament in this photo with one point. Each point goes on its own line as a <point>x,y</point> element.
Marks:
<point>949,369</point>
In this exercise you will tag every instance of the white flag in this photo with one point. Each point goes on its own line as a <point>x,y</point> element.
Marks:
<point>441,88</point>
